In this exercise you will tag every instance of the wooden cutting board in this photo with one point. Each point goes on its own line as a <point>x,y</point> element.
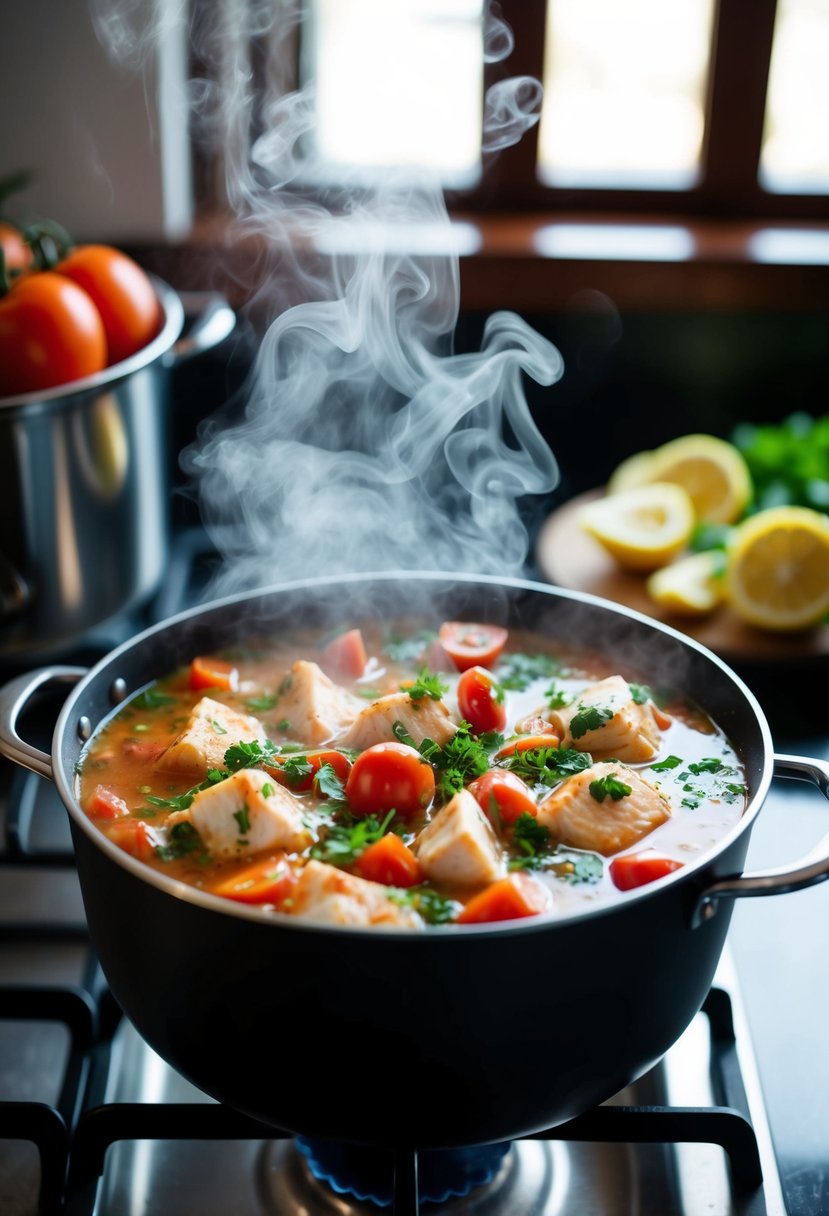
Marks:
<point>569,557</point>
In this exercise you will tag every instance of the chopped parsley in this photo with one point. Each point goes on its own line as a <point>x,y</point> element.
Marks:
<point>268,790</point>
<point>710,764</point>
<point>283,724</point>
<point>548,765</point>
<point>427,685</point>
<point>183,839</point>
<point>608,786</point>
<point>180,802</point>
<point>462,759</point>
<point>370,694</point>
<point>577,867</point>
<point>248,755</point>
<point>530,836</point>
<point>242,817</point>
<point>533,840</point>
<point>640,693</point>
<point>261,705</point>
<point>329,784</point>
<point>152,698</point>
<point>516,672</point>
<point>296,769</point>
<point>589,717</point>
<point>557,697</point>
<point>667,764</point>
<point>435,909</point>
<point>218,728</point>
<point>343,842</point>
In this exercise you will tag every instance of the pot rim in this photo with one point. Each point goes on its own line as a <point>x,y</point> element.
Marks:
<point>450,932</point>
<point>65,394</point>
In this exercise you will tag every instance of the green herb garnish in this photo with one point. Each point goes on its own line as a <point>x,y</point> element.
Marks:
<point>242,817</point>
<point>183,839</point>
<point>152,698</point>
<point>667,764</point>
<point>343,842</point>
<point>248,755</point>
<point>557,697</point>
<point>261,705</point>
<point>516,672</point>
<point>641,693</point>
<point>435,909</point>
<point>404,650</point>
<point>427,685</point>
<point>296,769</point>
<point>589,717</point>
<point>547,765</point>
<point>608,786</point>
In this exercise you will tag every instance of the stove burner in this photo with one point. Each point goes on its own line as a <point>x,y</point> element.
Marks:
<point>369,1173</point>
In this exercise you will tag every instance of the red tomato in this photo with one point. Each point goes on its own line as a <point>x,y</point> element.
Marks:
<point>481,701</point>
<point>123,295</point>
<point>503,796</point>
<point>134,836</point>
<point>508,899</point>
<point>389,776</point>
<point>271,881</point>
<point>213,673</point>
<point>390,862</point>
<point>340,764</point>
<point>345,657</point>
<point>636,869</point>
<point>106,804</point>
<point>50,333</point>
<point>468,644</point>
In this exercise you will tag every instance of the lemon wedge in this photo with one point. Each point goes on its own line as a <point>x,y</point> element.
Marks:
<point>693,586</point>
<point>778,569</point>
<point>633,472</point>
<point>642,528</point>
<point>710,469</point>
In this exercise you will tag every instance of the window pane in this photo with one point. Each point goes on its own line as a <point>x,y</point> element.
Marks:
<point>795,156</point>
<point>624,92</point>
<point>399,84</point>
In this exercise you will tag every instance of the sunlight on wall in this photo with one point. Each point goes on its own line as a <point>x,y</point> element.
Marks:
<point>795,153</point>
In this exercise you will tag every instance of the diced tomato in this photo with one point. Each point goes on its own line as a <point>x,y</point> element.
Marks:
<point>271,881</point>
<point>526,743</point>
<point>469,644</point>
<point>142,750</point>
<point>390,776</point>
<point>134,836</point>
<point>213,673</point>
<point>503,796</point>
<point>481,700</point>
<point>390,862</point>
<point>106,804</point>
<point>508,899</point>
<point>340,764</point>
<point>636,869</point>
<point>345,657</point>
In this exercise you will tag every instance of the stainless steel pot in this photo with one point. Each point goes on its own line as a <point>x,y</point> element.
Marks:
<point>456,1035</point>
<point>84,486</point>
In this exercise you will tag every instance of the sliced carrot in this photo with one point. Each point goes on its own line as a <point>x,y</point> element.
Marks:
<point>345,657</point>
<point>206,672</point>
<point>508,899</point>
<point>525,744</point>
<point>662,720</point>
<point>390,862</point>
<point>271,881</point>
<point>106,804</point>
<point>134,836</point>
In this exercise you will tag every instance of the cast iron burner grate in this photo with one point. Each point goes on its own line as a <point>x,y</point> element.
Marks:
<point>73,1135</point>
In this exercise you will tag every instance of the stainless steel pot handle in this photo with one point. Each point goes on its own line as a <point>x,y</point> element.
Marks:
<point>14,697</point>
<point>214,320</point>
<point>805,872</point>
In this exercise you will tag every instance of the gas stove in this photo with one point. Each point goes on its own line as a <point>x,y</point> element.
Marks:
<point>734,1121</point>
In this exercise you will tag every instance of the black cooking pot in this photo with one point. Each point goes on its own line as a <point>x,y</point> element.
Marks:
<point>452,1036</point>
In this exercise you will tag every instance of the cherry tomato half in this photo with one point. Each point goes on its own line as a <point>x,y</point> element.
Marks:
<point>50,333</point>
<point>391,862</point>
<point>636,869</point>
<point>470,644</point>
<point>503,796</point>
<point>212,673</point>
<point>122,293</point>
<point>481,700</point>
<point>389,776</point>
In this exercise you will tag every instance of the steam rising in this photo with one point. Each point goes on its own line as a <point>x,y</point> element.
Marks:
<point>367,444</point>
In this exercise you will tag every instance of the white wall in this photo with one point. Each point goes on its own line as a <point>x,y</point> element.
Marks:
<point>107,144</point>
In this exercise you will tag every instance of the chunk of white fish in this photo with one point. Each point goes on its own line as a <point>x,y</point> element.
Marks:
<point>459,845</point>
<point>329,896</point>
<point>315,708</point>
<point>210,730</point>
<point>246,813</point>
<point>629,734</point>
<point>577,818</point>
<point>422,719</point>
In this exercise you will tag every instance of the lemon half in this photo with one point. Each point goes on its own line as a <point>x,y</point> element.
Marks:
<point>643,528</point>
<point>711,470</point>
<point>693,586</point>
<point>778,569</point>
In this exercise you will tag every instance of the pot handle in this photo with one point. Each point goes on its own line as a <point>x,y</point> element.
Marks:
<point>213,321</point>
<point>805,872</point>
<point>14,697</point>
